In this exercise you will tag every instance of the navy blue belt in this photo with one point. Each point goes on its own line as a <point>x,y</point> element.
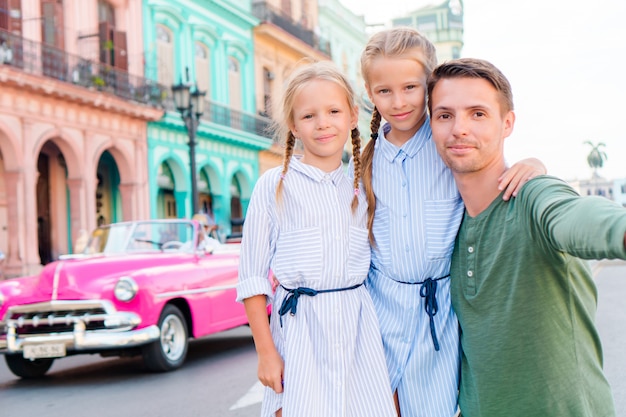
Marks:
<point>429,292</point>
<point>290,303</point>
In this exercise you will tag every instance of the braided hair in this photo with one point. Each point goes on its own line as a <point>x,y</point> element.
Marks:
<point>324,70</point>
<point>368,162</point>
<point>402,42</point>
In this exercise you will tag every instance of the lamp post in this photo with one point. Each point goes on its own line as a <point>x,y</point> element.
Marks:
<point>190,104</point>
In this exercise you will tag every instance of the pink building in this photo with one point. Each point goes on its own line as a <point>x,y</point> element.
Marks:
<point>73,115</point>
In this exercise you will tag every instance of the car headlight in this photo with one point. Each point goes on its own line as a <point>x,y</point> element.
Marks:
<point>126,289</point>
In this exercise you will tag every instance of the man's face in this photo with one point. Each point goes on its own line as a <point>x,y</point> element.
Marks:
<point>468,125</point>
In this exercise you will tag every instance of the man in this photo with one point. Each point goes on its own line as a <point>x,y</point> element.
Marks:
<point>525,302</point>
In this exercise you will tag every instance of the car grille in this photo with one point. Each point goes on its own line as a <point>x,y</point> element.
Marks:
<point>56,316</point>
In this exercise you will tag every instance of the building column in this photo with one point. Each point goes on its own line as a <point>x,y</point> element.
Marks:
<point>13,263</point>
<point>27,216</point>
<point>76,187</point>
<point>128,193</point>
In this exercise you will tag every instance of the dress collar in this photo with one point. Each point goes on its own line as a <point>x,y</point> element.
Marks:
<point>410,148</point>
<point>315,173</point>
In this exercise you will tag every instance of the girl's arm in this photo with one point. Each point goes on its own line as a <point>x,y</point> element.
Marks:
<point>271,365</point>
<point>515,177</point>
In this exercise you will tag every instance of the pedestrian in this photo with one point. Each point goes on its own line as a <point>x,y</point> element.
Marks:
<point>307,223</point>
<point>414,214</point>
<point>525,301</point>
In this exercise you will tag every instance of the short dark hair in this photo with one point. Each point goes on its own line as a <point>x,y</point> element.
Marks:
<point>473,68</point>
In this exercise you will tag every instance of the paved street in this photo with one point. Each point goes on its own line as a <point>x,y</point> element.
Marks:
<point>215,381</point>
<point>219,377</point>
<point>611,319</point>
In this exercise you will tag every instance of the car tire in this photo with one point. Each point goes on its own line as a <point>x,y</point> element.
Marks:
<point>170,350</point>
<point>26,368</point>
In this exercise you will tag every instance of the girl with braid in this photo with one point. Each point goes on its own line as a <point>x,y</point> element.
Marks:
<point>414,212</point>
<point>321,353</point>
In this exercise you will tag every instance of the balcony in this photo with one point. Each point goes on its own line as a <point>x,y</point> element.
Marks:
<point>269,14</point>
<point>53,63</point>
<point>229,117</point>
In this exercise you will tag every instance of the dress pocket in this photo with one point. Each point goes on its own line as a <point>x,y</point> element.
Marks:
<point>299,255</point>
<point>442,218</point>
<point>359,252</point>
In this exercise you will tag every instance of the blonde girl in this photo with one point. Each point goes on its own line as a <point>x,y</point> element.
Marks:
<point>321,353</point>
<point>414,215</point>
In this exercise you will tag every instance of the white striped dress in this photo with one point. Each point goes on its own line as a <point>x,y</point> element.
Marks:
<point>418,213</point>
<point>332,349</point>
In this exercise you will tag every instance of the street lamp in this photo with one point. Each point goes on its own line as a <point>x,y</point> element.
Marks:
<point>190,104</point>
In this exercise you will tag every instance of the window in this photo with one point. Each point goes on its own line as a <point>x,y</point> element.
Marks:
<point>113,48</point>
<point>11,16</point>
<point>52,23</point>
<point>203,68</point>
<point>165,55</point>
<point>234,83</point>
<point>268,78</point>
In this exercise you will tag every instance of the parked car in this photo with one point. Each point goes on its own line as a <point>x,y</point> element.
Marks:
<point>142,287</point>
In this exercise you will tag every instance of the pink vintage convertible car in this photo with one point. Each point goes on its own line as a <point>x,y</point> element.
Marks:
<point>141,287</point>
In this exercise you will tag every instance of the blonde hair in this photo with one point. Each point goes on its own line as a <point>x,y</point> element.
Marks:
<point>400,42</point>
<point>323,70</point>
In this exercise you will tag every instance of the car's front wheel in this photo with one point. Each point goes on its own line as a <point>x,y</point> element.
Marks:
<point>26,368</point>
<point>169,351</point>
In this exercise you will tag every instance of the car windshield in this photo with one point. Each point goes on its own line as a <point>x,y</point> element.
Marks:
<point>142,237</point>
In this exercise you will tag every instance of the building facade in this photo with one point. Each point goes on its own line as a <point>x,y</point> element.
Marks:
<point>74,107</point>
<point>208,45</point>
<point>613,189</point>
<point>347,34</point>
<point>287,35</point>
<point>442,24</point>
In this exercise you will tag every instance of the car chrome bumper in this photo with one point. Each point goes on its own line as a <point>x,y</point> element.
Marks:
<point>81,325</point>
<point>80,339</point>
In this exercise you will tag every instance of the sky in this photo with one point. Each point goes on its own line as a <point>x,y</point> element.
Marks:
<point>566,62</point>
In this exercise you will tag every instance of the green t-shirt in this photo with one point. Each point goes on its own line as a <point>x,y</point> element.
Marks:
<point>526,304</point>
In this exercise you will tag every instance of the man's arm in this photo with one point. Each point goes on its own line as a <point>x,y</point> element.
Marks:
<point>585,227</point>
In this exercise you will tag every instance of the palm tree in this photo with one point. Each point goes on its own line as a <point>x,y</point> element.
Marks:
<point>596,157</point>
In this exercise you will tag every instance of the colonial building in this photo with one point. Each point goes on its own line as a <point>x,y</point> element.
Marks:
<point>346,33</point>
<point>209,47</point>
<point>73,114</point>
<point>288,34</point>
<point>442,23</point>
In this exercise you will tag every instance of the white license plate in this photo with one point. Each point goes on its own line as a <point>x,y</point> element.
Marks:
<point>46,350</point>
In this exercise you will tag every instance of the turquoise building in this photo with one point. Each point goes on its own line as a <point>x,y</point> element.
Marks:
<point>210,46</point>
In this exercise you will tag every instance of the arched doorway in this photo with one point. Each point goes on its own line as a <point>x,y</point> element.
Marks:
<point>166,201</point>
<point>205,198</point>
<point>108,202</point>
<point>236,212</point>
<point>52,204</point>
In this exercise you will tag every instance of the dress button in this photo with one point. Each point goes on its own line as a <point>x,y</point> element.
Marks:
<point>470,249</point>
<point>470,274</point>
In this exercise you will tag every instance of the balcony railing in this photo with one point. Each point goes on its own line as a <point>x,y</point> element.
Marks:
<point>235,119</point>
<point>269,14</point>
<point>51,62</point>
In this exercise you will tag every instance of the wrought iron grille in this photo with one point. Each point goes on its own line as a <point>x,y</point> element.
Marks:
<point>51,62</point>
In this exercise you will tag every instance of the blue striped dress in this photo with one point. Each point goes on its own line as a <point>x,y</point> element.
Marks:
<point>331,347</point>
<point>418,213</point>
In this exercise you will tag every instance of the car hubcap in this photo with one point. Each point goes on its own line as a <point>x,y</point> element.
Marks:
<point>172,338</point>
